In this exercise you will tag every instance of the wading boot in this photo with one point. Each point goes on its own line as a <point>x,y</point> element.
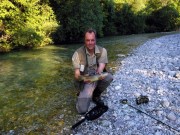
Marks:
<point>96,97</point>
<point>98,101</point>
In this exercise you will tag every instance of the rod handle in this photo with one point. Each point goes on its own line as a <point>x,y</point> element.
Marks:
<point>78,123</point>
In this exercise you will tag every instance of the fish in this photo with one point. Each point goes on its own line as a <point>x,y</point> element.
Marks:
<point>92,78</point>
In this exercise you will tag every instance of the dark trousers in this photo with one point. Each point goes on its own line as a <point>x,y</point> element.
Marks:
<point>87,90</point>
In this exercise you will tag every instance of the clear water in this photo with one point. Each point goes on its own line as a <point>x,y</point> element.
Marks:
<point>35,87</point>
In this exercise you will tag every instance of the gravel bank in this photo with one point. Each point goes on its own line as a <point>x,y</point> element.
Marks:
<point>153,70</point>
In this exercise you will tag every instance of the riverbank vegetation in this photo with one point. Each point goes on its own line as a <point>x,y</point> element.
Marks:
<point>35,23</point>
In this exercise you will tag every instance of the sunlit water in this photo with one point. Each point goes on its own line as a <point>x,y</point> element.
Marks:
<point>36,90</point>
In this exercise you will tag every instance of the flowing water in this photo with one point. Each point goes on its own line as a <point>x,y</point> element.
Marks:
<point>36,90</point>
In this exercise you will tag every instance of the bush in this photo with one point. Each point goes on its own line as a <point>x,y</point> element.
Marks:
<point>164,19</point>
<point>26,38</point>
<point>4,47</point>
<point>25,24</point>
<point>126,20</point>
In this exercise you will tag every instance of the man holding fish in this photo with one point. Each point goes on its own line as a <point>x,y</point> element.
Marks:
<point>89,62</point>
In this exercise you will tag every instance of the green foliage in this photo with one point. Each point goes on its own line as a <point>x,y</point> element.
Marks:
<point>138,5</point>
<point>20,19</point>
<point>127,22</point>
<point>27,38</point>
<point>150,16</point>
<point>75,17</point>
<point>109,17</point>
<point>164,19</point>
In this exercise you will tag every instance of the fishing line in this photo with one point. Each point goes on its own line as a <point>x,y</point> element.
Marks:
<point>125,101</point>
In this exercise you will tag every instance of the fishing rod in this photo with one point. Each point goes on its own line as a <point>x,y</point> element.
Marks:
<point>125,101</point>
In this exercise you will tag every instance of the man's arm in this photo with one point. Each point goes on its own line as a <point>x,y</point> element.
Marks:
<point>76,65</point>
<point>103,60</point>
<point>76,73</point>
<point>101,68</point>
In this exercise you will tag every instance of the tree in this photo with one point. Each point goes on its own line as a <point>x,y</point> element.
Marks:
<point>109,17</point>
<point>75,17</point>
<point>138,5</point>
<point>125,19</point>
<point>164,19</point>
<point>25,24</point>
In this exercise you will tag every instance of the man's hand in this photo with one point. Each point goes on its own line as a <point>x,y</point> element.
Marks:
<point>101,77</point>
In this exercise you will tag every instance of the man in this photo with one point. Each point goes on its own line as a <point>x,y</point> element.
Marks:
<point>90,59</point>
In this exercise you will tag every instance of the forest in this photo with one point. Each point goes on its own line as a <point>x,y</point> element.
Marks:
<point>26,24</point>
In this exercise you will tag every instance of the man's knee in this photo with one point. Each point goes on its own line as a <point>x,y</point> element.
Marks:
<point>109,78</point>
<point>82,105</point>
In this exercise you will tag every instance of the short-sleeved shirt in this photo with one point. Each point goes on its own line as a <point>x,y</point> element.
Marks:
<point>90,58</point>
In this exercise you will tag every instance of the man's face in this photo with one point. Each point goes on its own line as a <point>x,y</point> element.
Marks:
<point>90,41</point>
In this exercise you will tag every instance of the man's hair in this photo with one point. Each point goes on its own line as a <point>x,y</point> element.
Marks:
<point>90,30</point>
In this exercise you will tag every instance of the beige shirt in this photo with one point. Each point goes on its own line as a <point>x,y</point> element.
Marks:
<point>91,58</point>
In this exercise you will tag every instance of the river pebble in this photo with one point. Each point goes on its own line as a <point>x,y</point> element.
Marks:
<point>153,70</point>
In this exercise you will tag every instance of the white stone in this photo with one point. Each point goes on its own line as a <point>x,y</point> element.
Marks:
<point>165,103</point>
<point>117,87</point>
<point>136,94</point>
<point>158,133</point>
<point>106,123</point>
<point>177,75</point>
<point>171,116</point>
<point>159,113</point>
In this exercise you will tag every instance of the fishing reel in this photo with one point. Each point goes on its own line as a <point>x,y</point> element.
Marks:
<point>142,99</point>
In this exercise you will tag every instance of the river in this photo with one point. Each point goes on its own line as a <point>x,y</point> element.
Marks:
<point>36,90</point>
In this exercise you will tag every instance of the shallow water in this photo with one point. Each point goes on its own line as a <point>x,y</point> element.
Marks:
<point>35,87</point>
